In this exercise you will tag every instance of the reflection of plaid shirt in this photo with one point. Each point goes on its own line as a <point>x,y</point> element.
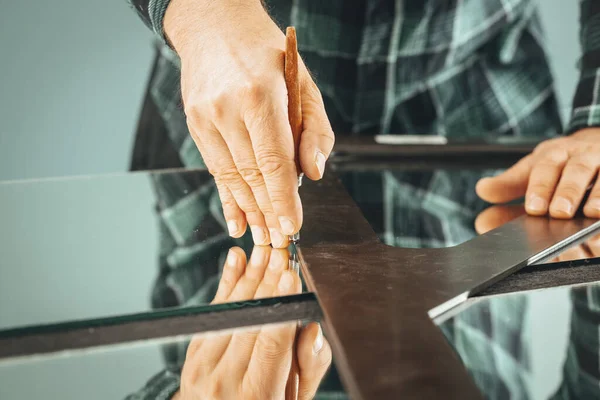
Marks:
<point>471,68</point>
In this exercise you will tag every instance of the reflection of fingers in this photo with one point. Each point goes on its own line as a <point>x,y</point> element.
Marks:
<point>574,253</point>
<point>594,246</point>
<point>496,216</point>
<point>271,357</point>
<point>314,359</point>
<point>255,270</point>
<point>210,350</point>
<point>220,163</point>
<point>509,185</point>
<point>278,262</point>
<point>592,205</point>
<point>242,344</point>
<point>234,268</point>
<point>543,180</point>
<point>576,177</point>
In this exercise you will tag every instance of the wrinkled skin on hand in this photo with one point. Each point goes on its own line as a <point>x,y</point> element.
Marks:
<point>553,179</point>
<point>255,364</point>
<point>235,101</point>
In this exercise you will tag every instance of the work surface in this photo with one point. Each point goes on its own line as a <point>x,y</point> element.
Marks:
<point>108,260</point>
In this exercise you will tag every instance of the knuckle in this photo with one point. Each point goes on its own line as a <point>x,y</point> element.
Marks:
<point>324,361</point>
<point>273,163</point>
<point>254,92</point>
<point>227,175</point>
<point>273,348</point>
<point>251,175</point>
<point>328,138</point>
<point>541,188</point>
<point>581,166</point>
<point>554,157</point>
<point>217,106</point>
<point>570,190</point>
<point>214,389</point>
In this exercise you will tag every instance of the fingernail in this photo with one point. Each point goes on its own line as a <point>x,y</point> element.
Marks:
<point>536,203</point>
<point>277,239</point>
<point>286,281</point>
<point>593,204</point>
<point>232,258</point>
<point>320,162</point>
<point>232,227</point>
<point>318,344</point>
<point>258,234</point>
<point>287,226</point>
<point>562,205</point>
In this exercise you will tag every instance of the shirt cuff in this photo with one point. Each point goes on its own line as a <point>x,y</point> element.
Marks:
<point>586,103</point>
<point>152,12</point>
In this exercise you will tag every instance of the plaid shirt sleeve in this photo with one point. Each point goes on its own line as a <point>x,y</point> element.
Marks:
<point>152,12</point>
<point>586,104</point>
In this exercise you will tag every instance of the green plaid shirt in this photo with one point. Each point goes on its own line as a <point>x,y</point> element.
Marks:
<point>465,69</point>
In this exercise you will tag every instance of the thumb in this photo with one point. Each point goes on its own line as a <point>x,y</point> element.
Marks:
<point>317,139</point>
<point>509,185</point>
<point>314,359</point>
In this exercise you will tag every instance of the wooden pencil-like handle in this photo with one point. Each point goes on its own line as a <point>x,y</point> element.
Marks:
<point>292,83</point>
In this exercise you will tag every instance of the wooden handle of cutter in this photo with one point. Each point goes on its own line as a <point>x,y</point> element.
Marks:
<point>292,82</point>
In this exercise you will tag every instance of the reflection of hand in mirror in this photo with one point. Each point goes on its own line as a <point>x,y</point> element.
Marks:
<point>255,364</point>
<point>495,216</point>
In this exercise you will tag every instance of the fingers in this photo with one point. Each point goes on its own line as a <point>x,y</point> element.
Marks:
<point>240,146</point>
<point>496,216</point>
<point>510,185</point>
<point>592,205</point>
<point>221,165</point>
<point>314,359</point>
<point>576,177</point>
<point>235,217</point>
<point>273,146</point>
<point>317,138</point>
<point>543,180</point>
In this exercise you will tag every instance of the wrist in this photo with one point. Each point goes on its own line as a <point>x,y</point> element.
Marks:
<point>195,21</point>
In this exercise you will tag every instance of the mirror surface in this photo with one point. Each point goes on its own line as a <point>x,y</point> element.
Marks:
<point>153,369</point>
<point>532,345</point>
<point>82,248</point>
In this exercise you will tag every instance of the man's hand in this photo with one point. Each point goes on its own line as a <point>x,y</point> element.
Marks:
<point>553,179</point>
<point>255,364</point>
<point>235,100</point>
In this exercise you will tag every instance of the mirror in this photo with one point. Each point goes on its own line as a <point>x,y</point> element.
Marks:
<point>82,248</point>
<point>537,345</point>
